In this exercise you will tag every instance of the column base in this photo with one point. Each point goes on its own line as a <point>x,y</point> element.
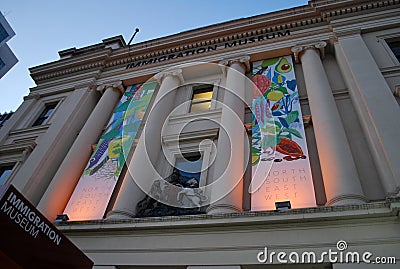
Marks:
<point>119,215</point>
<point>395,194</point>
<point>222,209</point>
<point>347,199</point>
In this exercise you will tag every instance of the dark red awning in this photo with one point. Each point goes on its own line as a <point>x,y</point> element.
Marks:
<point>29,240</point>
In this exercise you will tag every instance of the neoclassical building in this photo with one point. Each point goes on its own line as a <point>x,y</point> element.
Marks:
<point>246,144</point>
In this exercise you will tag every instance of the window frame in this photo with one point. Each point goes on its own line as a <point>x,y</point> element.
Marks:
<point>385,40</point>
<point>45,110</point>
<point>198,87</point>
<point>3,168</point>
<point>397,40</point>
<point>175,149</point>
<point>198,90</point>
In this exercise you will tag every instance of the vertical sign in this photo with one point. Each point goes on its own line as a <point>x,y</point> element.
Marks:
<point>280,165</point>
<point>96,185</point>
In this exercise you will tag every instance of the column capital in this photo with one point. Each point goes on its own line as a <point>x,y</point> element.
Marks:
<point>173,72</point>
<point>111,85</point>
<point>243,59</point>
<point>319,45</point>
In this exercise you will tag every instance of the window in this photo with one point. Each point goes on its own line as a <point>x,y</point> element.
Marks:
<point>3,33</point>
<point>5,171</point>
<point>42,119</point>
<point>201,99</point>
<point>189,167</point>
<point>2,64</point>
<point>395,48</point>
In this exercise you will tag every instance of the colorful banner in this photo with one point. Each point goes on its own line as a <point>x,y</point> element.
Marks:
<point>96,185</point>
<point>280,166</point>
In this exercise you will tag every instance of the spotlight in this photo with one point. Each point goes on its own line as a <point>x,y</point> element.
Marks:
<point>61,218</point>
<point>282,206</point>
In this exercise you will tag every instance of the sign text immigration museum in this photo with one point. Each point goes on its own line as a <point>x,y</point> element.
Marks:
<point>27,237</point>
<point>204,49</point>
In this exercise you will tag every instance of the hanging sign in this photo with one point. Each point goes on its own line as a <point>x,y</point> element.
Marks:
<point>29,240</point>
<point>96,185</point>
<point>280,165</point>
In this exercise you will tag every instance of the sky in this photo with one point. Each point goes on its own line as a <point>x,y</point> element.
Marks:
<point>45,27</point>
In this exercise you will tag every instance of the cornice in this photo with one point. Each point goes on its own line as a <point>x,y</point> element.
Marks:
<point>229,30</point>
<point>62,67</point>
<point>17,147</point>
<point>315,14</point>
<point>357,6</point>
<point>143,53</point>
<point>63,84</point>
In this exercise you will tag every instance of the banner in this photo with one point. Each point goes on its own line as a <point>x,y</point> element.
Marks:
<point>280,166</point>
<point>96,185</point>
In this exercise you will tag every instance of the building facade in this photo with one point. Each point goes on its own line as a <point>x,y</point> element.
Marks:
<point>245,144</point>
<point>7,57</point>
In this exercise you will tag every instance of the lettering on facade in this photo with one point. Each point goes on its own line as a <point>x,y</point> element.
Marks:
<point>283,184</point>
<point>205,49</point>
<point>27,219</point>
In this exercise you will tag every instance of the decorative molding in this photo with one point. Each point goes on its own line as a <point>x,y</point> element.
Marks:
<point>222,207</point>
<point>174,72</point>
<point>183,118</point>
<point>22,149</point>
<point>191,136</point>
<point>95,60</point>
<point>90,85</point>
<point>360,198</point>
<point>243,60</point>
<point>393,71</point>
<point>35,96</point>
<point>354,9</point>
<point>322,213</point>
<point>319,45</point>
<point>32,130</point>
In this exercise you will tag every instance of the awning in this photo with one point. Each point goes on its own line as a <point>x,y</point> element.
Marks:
<point>29,240</point>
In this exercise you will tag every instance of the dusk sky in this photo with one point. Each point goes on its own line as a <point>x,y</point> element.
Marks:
<point>44,27</point>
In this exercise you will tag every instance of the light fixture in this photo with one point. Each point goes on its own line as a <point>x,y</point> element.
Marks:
<point>61,218</point>
<point>282,206</point>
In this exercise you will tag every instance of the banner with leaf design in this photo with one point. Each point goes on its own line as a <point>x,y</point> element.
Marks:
<point>280,164</point>
<point>96,185</point>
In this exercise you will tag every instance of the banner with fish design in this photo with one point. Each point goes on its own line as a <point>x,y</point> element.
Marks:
<point>96,185</point>
<point>280,165</point>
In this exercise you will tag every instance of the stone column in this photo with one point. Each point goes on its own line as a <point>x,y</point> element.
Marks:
<point>375,105</point>
<point>227,188</point>
<point>142,168</point>
<point>61,187</point>
<point>342,185</point>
